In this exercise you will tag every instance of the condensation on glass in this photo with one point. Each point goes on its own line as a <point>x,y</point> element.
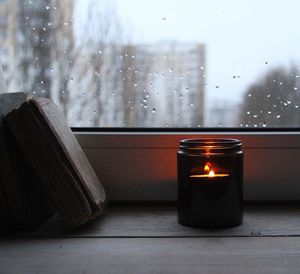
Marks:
<point>186,63</point>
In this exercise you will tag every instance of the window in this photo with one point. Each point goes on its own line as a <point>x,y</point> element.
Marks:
<point>170,64</point>
<point>134,63</point>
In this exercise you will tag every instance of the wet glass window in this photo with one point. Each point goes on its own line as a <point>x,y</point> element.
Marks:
<point>185,63</point>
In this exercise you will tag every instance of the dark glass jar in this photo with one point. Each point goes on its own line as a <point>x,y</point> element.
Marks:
<point>210,183</point>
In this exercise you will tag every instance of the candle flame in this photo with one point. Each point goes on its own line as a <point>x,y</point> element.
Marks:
<point>209,172</point>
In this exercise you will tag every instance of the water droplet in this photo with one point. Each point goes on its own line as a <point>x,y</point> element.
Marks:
<point>187,90</point>
<point>181,77</point>
<point>171,70</point>
<point>264,124</point>
<point>289,102</point>
<point>217,86</point>
<point>180,97</point>
<point>132,56</point>
<point>234,77</point>
<point>280,83</point>
<point>47,8</point>
<point>135,85</point>
<point>164,18</point>
<point>269,95</point>
<point>255,116</point>
<point>296,106</point>
<point>44,29</point>
<point>249,95</point>
<point>266,62</point>
<point>163,75</point>
<point>202,68</point>
<point>248,112</point>
<point>278,116</point>
<point>49,24</point>
<point>297,76</point>
<point>154,110</point>
<point>295,88</point>
<point>269,112</point>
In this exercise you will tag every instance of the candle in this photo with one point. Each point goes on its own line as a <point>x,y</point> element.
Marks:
<point>210,178</point>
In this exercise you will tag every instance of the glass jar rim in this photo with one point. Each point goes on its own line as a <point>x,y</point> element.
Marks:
<point>211,145</point>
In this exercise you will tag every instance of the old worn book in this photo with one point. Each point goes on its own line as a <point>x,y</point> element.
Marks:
<point>23,202</point>
<point>58,160</point>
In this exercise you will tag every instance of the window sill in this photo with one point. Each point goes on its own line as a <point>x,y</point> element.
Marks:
<point>147,238</point>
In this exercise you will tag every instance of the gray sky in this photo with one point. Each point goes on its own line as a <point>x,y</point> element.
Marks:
<point>241,36</point>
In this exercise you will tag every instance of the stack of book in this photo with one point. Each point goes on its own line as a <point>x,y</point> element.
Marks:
<point>42,167</point>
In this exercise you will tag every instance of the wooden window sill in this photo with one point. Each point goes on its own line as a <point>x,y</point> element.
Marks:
<point>143,238</point>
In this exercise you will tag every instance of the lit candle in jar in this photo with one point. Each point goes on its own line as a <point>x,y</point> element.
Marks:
<point>210,182</point>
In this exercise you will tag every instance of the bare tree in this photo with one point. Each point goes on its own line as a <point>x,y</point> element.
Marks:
<point>34,46</point>
<point>101,70</point>
<point>62,51</point>
<point>273,101</point>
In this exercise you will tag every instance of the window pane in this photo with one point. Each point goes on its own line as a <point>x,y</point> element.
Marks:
<point>131,63</point>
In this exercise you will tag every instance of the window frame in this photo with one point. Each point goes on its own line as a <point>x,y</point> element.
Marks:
<point>140,164</point>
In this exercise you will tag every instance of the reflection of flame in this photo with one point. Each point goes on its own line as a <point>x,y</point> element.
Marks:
<point>206,168</point>
<point>211,174</point>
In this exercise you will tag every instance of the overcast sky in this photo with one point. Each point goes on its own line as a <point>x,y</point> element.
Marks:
<point>243,38</point>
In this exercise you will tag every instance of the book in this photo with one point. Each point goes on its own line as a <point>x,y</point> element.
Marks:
<point>58,160</point>
<point>23,202</point>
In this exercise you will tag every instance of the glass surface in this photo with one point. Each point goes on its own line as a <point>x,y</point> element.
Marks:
<point>131,63</point>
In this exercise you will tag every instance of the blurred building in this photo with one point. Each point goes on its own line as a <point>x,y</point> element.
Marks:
<point>178,83</point>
